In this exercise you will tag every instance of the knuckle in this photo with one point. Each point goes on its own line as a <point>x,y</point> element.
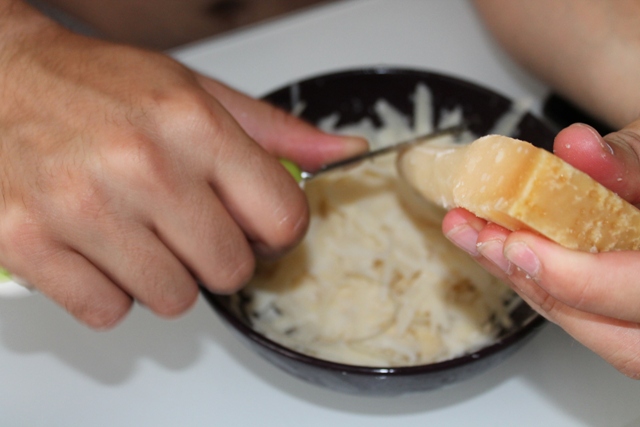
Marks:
<point>103,316</point>
<point>548,304</point>
<point>232,276</point>
<point>16,233</point>
<point>173,307</point>
<point>627,360</point>
<point>174,301</point>
<point>22,238</point>
<point>628,141</point>
<point>584,291</point>
<point>142,164</point>
<point>580,294</point>
<point>71,193</point>
<point>186,114</point>
<point>87,204</point>
<point>240,275</point>
<point>291,221</point>
<point>141,156</point>
<point>577,296</point>
<point>624,137</point>
<point>190,108</point>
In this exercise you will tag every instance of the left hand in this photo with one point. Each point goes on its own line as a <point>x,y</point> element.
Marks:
<point>594,297</point>
<point>127,177</point>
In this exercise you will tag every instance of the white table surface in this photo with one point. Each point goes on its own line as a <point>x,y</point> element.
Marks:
<point>193,372</point>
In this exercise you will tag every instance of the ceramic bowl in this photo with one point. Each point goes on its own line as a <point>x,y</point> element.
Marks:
<point>353,93</point>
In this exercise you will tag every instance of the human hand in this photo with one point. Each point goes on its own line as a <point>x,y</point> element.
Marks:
<point>594,297</point>
<point>125,176</point>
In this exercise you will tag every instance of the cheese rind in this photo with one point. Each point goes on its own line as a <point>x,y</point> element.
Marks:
<point>523,187</point>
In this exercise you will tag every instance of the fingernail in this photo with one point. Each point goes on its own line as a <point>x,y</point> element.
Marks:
<point>603,144</point>
<point>352,146</point>
<point>493,251</point>
<point>606,147</point>
<point>524,258</point>
<point>464,237</point>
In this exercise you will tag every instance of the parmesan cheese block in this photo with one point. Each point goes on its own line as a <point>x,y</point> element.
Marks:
<point>523,187</point>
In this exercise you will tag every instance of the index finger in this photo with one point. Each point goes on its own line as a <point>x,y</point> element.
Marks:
<point>282,134</point>
<point>256,190</point>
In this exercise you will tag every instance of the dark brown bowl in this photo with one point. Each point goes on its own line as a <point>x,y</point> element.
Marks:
<point>353,93</point>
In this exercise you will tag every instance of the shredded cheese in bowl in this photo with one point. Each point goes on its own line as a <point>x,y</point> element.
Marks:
<point>375,283</point>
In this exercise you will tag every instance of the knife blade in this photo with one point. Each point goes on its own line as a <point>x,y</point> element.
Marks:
<point>301,175</point>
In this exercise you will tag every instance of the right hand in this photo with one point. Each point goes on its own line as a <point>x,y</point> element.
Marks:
<point>125,176</point>
<point>594,297</point>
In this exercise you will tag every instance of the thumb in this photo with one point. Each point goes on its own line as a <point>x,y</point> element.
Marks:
<point>282,134</point>
<point>612,160</point>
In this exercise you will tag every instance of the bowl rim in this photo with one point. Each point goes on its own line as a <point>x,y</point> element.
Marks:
<point>384,70</point>
<point>534,322</point>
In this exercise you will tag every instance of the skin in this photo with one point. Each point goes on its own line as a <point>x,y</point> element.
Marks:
<point>594,297</point>
<point>127,177</point>
<point>587,50</point>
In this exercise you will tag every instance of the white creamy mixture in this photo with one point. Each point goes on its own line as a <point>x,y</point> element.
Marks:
<point>375,282</point>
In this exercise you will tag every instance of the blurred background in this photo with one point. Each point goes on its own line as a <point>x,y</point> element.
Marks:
<point>165,24</point>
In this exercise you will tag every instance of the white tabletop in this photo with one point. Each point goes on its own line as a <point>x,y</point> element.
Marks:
<point>192,371</point>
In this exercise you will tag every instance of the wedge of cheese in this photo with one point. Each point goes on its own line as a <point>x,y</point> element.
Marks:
<point>520,186</point>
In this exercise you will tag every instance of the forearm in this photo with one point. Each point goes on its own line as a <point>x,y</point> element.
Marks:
<point>587,50</point>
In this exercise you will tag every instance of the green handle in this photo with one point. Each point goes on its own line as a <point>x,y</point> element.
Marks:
<point>5,276</point>
<point>293,169</point>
